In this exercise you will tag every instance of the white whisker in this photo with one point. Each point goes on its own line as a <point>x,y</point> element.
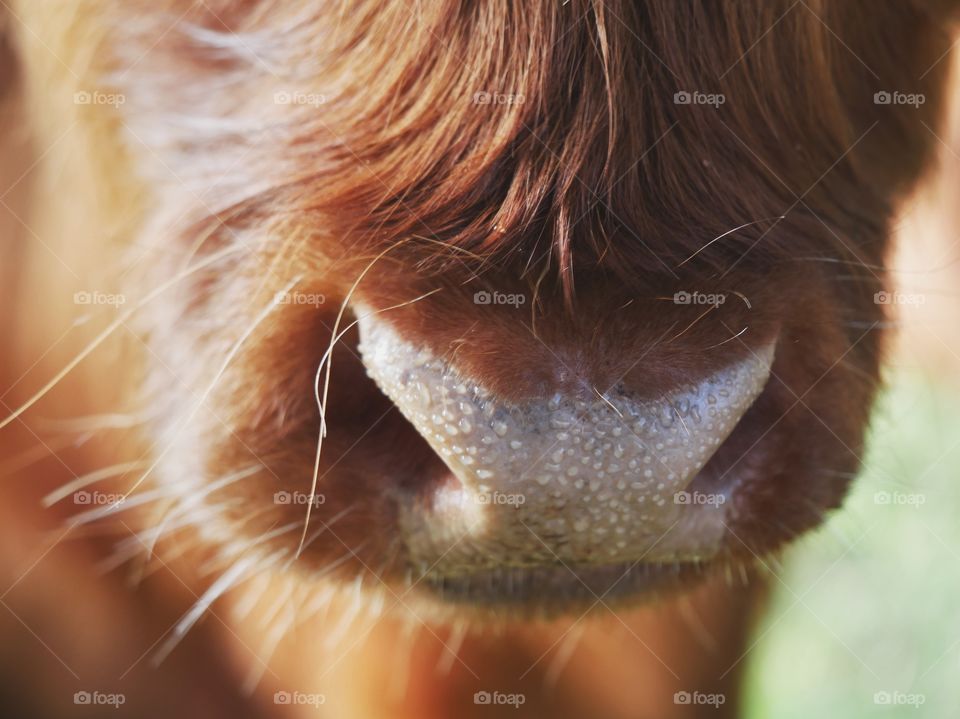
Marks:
<point>730,232</point>
<point>88,479</point>
<point>229,579</point>
<point>79,425</point>
<point>231,354</point>
<point>328,359</point>
<point>111,328</point>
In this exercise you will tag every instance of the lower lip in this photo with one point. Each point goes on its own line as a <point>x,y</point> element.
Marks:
<point>552,589</point>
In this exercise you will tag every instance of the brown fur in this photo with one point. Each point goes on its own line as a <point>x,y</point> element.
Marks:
<point>597,197</point>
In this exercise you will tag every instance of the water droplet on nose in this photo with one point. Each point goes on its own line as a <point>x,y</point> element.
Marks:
<point>424,394</point>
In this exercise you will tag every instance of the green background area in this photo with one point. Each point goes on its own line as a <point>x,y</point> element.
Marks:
<point>871,601</point>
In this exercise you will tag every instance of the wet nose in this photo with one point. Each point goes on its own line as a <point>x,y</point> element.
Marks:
<point>568,477</point>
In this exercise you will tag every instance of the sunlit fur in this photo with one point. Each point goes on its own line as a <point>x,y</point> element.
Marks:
<point>201,197</point>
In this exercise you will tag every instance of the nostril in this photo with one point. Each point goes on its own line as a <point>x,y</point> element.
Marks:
<point>568,477</point>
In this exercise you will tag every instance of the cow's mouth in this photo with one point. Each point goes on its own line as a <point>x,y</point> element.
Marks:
<point>576,497</point>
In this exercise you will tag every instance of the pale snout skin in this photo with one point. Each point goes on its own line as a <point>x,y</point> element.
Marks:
<point>596,483</point>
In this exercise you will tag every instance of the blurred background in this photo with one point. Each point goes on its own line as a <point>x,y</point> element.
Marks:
<point>865,616</point>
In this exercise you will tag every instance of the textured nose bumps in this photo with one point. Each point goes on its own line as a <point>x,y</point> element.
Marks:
<point>558,479</point>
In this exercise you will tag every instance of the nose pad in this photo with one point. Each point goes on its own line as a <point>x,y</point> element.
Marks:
<point>586,479</point>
